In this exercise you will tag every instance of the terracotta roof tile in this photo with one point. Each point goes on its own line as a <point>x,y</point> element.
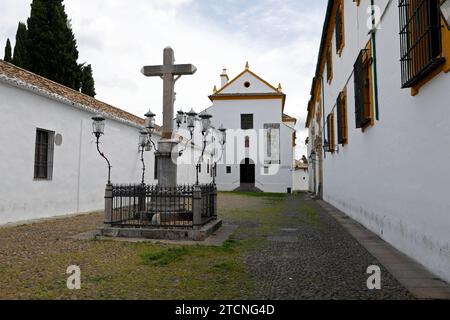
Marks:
<point>13,72</point>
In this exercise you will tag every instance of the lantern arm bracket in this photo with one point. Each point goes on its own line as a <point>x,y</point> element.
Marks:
<point>104,157</point>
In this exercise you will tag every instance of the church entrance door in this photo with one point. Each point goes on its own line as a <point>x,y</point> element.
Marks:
<point>247,172</point>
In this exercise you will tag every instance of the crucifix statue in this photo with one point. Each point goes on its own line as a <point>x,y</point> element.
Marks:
<point>170,73</point>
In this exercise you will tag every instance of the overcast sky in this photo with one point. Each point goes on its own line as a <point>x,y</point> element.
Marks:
<point>279,38</point>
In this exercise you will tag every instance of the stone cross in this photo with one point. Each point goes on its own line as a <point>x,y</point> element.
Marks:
<point>170,73</point>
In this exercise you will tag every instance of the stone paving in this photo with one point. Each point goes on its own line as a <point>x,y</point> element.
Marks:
<point>318,260</point>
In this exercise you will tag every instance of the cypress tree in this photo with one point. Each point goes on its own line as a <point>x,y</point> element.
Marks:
<point>87,81</point>
<point>8,57</point>
<point>51,44</point>
<point>20,58</point>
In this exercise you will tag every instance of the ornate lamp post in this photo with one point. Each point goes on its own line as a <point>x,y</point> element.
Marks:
<point>150,125</point>
<point>445,10</point>
<point>206,125</point>
<point>98,129</point>
<point>143,146</point>
<point>222,142</point>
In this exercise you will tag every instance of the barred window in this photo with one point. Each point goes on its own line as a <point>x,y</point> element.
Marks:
<point>246,121</point>
<point>363,89</point>
<point>341,111</point>
<point>420,40</point>
<point>43,158</point>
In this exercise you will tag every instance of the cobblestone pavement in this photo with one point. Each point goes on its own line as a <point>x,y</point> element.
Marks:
<point>316,259</point>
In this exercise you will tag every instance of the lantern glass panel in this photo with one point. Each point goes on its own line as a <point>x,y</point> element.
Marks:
<point>98,127</point>
<point>205,124</point>
<point>143,138</point>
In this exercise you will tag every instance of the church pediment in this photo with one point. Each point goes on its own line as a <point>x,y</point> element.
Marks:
<point>248,82</point>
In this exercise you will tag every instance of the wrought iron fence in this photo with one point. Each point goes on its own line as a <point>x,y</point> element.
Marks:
<point>165,207</point>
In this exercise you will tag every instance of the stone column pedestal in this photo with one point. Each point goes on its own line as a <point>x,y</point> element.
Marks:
<point>167,163</point>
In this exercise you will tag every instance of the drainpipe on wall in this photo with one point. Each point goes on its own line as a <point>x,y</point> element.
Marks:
<point>374,50</point>
<point>322,152</point>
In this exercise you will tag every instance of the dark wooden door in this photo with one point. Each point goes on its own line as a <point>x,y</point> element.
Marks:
<point>247,172</point>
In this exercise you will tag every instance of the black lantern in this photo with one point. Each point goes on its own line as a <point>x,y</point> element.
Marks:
<point>143,139</point>
<point>223,131</point>
<point>180,118</point>
<point>98,129</point>
<point>150,121</point>
<point>445,11</point>
<point>206,121</point>
<point>98,126</point>
<point>192,116</point>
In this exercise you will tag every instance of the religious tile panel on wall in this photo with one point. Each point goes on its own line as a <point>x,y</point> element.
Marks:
<point>272,143</point>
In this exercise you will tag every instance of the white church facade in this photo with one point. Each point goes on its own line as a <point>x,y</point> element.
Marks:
<point>259,154</point>
<point>49,162</point>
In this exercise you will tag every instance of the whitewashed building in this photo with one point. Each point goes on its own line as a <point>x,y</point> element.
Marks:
<point>259,154</point>
<point>49,162</point>
<point>300,178</point>
<point>378,123</point>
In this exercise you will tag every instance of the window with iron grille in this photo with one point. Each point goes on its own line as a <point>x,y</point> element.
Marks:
<point>341,112</point>
<point>43,158</point>
<point>420,40</point>
<point>339,29</point>
<point>246,121</point>
<point>363,89</point>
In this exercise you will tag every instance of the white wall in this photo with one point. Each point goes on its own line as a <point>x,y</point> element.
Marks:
<point>300,180</point>
<point>393,178</point>
<point>79,173</point>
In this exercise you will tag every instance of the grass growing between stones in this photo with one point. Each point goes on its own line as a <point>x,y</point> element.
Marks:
<point>34,259</point>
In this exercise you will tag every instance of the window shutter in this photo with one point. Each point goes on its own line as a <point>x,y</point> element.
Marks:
<point>329,132</point>
<point>339,118</point>
<point>344,117</point>
<point>359,90</point>
<point>51,146</point>
<point>338,29</point>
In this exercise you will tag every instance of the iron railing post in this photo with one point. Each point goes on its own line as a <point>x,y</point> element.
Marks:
<point>108,205</point>
<point>197,206</point>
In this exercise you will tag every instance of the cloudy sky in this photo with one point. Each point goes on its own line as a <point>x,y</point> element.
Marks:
<point>279,38</point>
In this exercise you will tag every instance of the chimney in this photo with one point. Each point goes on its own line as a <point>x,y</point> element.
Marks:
<point>224,78</point>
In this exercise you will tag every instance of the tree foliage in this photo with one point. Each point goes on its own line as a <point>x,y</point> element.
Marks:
<point>87,81</point>
<point>8,54</point>
<point>20,57</point>
<point>51,44</point>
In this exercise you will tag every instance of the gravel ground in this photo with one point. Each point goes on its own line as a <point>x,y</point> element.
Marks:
<point>316,260</point>
<point>289,248</point>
